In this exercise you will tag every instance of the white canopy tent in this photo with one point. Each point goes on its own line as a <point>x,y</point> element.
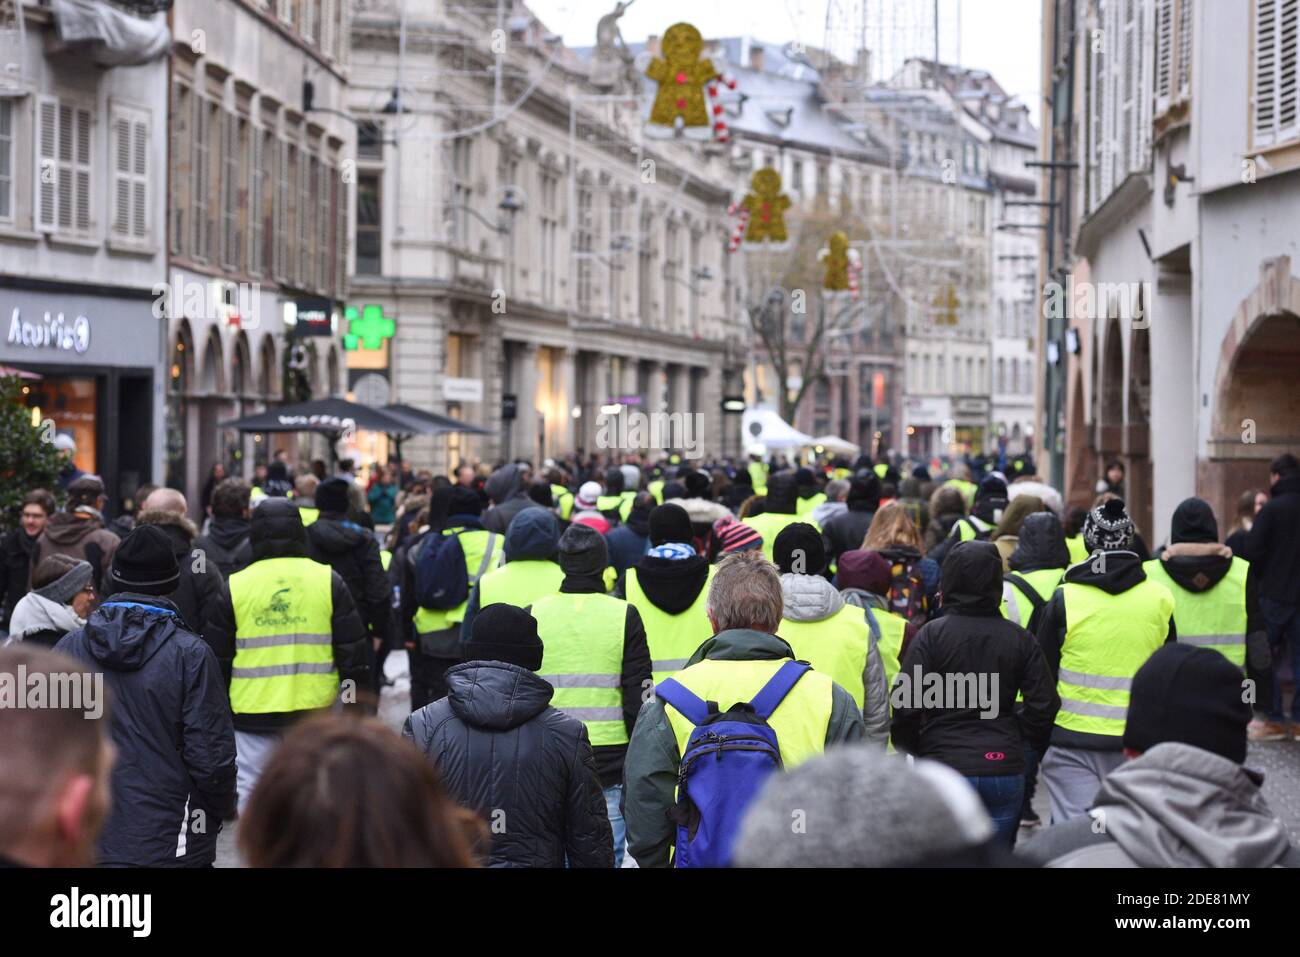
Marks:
<point>762,426</point>
<point>833,443</point>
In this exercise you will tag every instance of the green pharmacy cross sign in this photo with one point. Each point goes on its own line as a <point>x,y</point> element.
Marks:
<point>369,330</point>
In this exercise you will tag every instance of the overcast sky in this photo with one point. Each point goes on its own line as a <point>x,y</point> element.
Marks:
<point>1001,36</point>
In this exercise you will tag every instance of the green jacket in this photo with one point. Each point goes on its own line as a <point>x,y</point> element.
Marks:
<point>650,768</point>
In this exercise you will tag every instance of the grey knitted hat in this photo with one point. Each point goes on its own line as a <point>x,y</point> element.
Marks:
<point>1108,527</point>
<point>63,588</point>
<point>853,807</point>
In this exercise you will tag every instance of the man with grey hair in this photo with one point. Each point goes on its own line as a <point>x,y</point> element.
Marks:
<point>744,609</point>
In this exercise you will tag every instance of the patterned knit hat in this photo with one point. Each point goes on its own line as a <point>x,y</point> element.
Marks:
<point>735,536</point>
<point>1108,527</point>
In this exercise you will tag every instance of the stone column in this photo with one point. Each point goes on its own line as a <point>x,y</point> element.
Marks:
<point>524,438</point>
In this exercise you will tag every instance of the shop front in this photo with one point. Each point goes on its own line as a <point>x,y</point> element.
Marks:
<point>96,366</point>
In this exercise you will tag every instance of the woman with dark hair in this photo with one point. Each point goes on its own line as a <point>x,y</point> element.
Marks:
<point>348,792</point>
<point>62,596</point>
<point>1113,480</point>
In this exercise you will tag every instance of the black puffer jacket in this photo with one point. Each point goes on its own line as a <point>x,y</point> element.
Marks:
<point>201,586</point>
<point>174,777</point>
<point>227,543</point>
<point>16,550</point>
<point>986,736</point>
<point>277,532</point>
<point>848,530</point>
<point>527,768</point>
<point>353,552</point>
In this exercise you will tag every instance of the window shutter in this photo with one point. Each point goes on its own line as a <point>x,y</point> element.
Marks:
<point>178,129</point>
<point>1096,152</point>
<point>340,237</point>
<point>6,159</point>
<point>256,251</point>
<point>120,150</point>
<point>1164,53</point>
<point>1275,107</point>
<point>324,227</point>
<point>47,166</point>
<point>1146,83</point>
<point>230,190</point>
<point>1288,83</point>
<point>82,122</point>
<point>1183,72</point>
<point>200,180</point>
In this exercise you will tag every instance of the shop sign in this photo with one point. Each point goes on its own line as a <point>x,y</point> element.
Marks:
<point>55,331</point>
<point>462,390</point>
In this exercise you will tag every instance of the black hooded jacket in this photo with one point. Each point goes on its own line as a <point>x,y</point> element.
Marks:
<point>277,532</point>
<point>1197,562</point>
<point>672,584</point>
<point>227,543</point>
<point>1273,547</point>
<point>503,751</point>
<point>507,487</point>
<point>987,735</point>
<point>16,550</point>
<point>1120,571</point>
<point>1041,544</point>
<point>174,778</point>
<point>782,494</point>
<point>201,587</point>
<point>353,552</point>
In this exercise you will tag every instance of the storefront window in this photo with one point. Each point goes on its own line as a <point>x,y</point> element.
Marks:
<point>70,403</point>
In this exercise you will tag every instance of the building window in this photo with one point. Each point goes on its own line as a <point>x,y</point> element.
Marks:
<point>462,189</point>
<point>129,151</point>
<point>180,156</point>
<point>257,192</point>
<point>550,220</point>
<point>1277,83</point>
<point>370,141</point>
<point>64,167</point>
<point>672,270</point>
<point>200,178</point>
<point>6,160</point>
<point>583,250</point>
<point>368,225</point>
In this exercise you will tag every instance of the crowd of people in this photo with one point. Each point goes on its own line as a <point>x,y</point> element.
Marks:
<point>650,662</point>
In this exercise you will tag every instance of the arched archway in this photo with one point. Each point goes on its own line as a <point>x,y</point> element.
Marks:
<point>1256,412</point>
<point>268,370</point>
<point>180,382</point>
<point>212,380</point>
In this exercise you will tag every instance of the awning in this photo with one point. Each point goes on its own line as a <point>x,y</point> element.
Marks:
<point>112,37</point>
<point>430,423</point>
<point>329,416</point>
<point>833,443</point>
<point>763,426</point>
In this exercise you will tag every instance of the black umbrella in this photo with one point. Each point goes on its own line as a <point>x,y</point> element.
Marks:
<point>329,416</point>
<point>430,423</point>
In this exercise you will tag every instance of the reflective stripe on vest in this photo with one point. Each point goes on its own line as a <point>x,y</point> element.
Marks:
<point>800,721</point>
<point>519,583</point>
<point>672,638</point>
<point>582,658</point>
<point>769,525</point>
<point>1214,618</point>
<point>1107,639</point>
<point>835,646</point>
<point>481,556</point>
<point>284,647</point>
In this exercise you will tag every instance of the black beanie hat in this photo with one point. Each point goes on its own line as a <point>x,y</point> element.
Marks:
<point>1108,527</point>
<point>332,495</point>
<point>698,485</point>
<point>505,633</point>
<point>1190,695</point>
<point>464,501</point>
<point>145,563</point>
<point>1194,522</point>
<point>795,538</point>
<point>670,523</point>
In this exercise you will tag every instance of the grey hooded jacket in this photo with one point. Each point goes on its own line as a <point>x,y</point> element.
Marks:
<point>1173,806</point>
<point>507,487</point>
<point>813,598</point>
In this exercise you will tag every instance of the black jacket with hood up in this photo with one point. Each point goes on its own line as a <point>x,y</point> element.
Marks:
<point>503,751</point>
<point>353,552</point>
<point>277,532</point>
<point>1121,571</point>
<point>1197,562</point>
<point>507,487</point>
<point>1040,545</point>
<point>174,777</point>
<point>979,737</point>
<point>848,530</point>
<point>227,543</point>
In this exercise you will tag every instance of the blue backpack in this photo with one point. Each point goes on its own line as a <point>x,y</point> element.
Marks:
<point>441,579</point>
<point>728,757</point>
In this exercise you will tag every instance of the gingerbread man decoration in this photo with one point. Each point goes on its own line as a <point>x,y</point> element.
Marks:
<point>836,258</point>
<point>681,76</point>
<point>766,205</point>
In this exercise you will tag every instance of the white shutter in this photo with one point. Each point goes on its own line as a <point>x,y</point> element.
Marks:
<point>47,166</point>
<point>1095,129</point>
<point>6,159</point>
<point>1146,81</point>
<point>1288,83</point>
<point>229,192</point>
<point>1164,53</point>
<point>340,237</point>
<point>129,151</point>
<point>200,179</point>
<point>178,129</point>
<point>82,123</point>
<point>1128,120</point>
<point>1275,108</point>
<point>1110,95</point>
<point>1183,72</point>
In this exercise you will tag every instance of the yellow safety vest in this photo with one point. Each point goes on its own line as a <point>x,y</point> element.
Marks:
<point>519,583</point>
<point>656,488</point>
<point>1078,550</point>
<point>284,637</point>
<point>835,646</point>
<point>968,526</point>
<point>1215,618</point>
<point>758,477</point>
<point>563,500</point>
<point>800,721</point>
<point>309,515</point>
<point>967,489</point>
<point>672,638</point>
<point>621,503</point>
<point>1107,639</point>
<point>805,506</point>
<point>769,525</point>
<point>481,556</point>
<point>893,629</point>
<point>582,658</point>
<point>1016,606</point>
<point>385,558</point>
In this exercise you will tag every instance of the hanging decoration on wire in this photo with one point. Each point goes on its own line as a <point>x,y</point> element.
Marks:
<point>843,266</point>
<point>690,99</point>
<point>760,215</point>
